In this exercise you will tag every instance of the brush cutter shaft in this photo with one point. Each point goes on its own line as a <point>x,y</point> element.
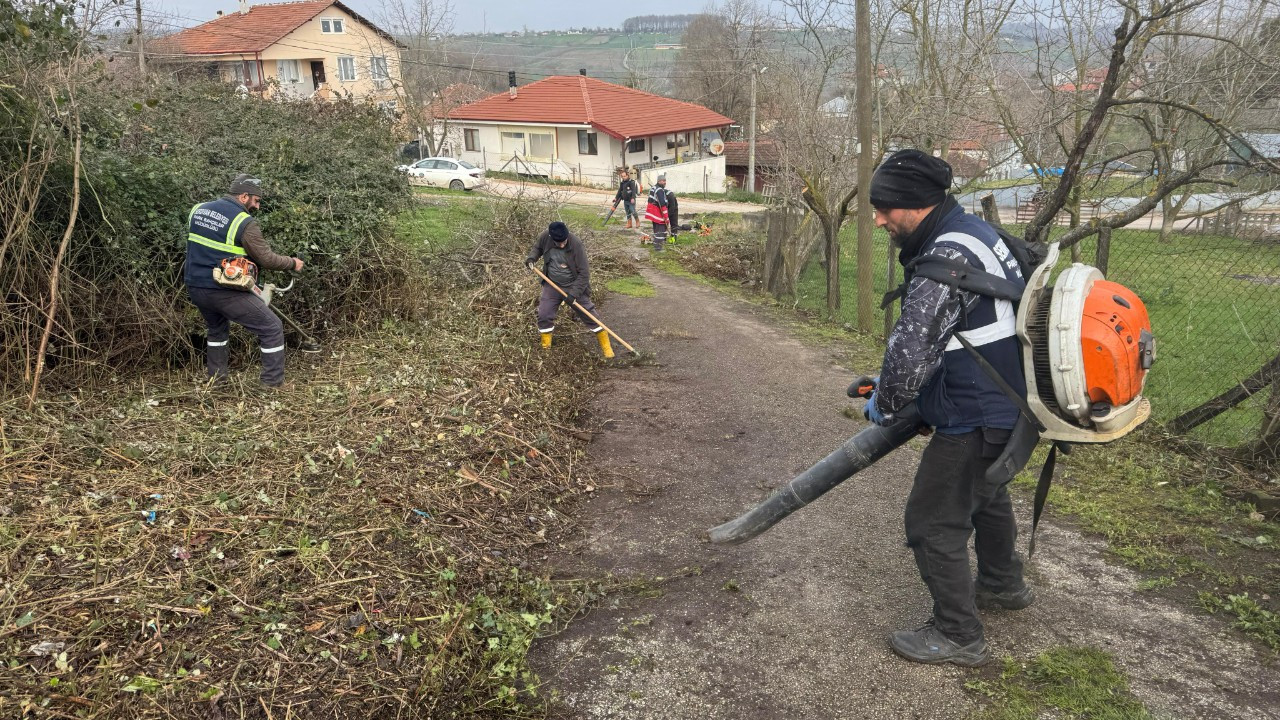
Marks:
<point>583,310</point>
<point>858,453</point>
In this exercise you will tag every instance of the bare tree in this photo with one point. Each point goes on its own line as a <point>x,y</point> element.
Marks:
<point>721,47</point>
<point>421,26</point>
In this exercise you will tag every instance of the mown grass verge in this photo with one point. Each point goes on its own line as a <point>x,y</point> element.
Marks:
<point>1179,519</point>
<point>358,545</point>
<point>633,285</point>
<point>1067,682</point>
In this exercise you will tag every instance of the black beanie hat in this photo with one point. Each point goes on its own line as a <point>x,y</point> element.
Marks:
<point>558,231</point>
<point>910,179</point>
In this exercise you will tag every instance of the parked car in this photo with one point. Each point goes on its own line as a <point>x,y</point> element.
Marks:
<point>445,172</point>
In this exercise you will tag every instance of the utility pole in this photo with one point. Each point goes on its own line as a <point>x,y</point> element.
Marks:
<point>866,161</point>
<point>751,138</point>
<point>137,38</point>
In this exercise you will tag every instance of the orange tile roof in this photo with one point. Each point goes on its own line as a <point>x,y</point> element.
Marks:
<point>255,31</point>
<point>576,100</point>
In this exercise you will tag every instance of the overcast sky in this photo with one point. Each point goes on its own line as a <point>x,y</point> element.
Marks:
<point>469,15</point>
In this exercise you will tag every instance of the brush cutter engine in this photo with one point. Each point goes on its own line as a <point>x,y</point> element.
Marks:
<point>1087,346</point>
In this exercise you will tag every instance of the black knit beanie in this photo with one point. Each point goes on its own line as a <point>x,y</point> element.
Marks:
<point>910,179</point>
<point>558,231</point>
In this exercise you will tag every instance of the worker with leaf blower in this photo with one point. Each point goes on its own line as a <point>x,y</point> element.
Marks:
<point>926,365</point>
<point>564,265</point>
<point>627,193</point>
<point>225,248</point>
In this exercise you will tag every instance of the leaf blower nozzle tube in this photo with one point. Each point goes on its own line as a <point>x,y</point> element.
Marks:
<point>857,453</point>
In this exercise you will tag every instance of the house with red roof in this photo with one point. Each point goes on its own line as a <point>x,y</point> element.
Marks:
<point>583,129</point>
<point>311,48</point>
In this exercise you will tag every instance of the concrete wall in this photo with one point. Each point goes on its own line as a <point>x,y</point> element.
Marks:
<point>705,175</point>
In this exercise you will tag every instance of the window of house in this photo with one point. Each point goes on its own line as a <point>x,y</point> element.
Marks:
<point>636,145</point>
<point>513,142</point>
<point>347,69</point>
<point>587,143</point>
<point>331,25</point>
<point>287,71</point>
<point>471,139</point>
<point>378,68</point>
<point>245,72</point>
<point>542,145</point>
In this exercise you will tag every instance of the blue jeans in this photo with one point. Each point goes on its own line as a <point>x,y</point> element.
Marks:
<point>630,207</point>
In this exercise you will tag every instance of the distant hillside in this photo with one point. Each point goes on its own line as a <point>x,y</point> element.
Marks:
<point>628,59</point>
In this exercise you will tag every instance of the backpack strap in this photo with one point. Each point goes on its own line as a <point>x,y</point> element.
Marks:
<point>1050,463</point>
<point>956,274</point>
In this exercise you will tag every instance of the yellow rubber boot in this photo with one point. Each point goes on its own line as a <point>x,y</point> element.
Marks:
<point>546,339</point>
<point>605,348</point>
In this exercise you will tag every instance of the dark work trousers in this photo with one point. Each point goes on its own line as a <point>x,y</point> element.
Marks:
<point>659,237</point>
<point>549,303</point>
<point>951,499</point>
<point>222,307</point>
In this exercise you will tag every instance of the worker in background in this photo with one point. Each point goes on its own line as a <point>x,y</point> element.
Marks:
<point>657,213</point>
<point>564,262</point>
<point>627,193</point>
<point>926,364</point>
<point>223,229</point>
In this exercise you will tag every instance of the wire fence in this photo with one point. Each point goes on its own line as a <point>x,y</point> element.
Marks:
<point>1213,294</point>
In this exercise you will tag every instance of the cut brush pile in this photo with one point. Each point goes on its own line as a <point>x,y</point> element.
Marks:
<point>356,546</point>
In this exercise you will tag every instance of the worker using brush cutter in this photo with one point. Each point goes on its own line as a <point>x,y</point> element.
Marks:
<point>658,213</point>
<point>928,368</point>
<point>565,265</point>
<point>225,248</point>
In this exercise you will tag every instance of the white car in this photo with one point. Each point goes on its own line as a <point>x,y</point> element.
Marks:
<point>445,172</point>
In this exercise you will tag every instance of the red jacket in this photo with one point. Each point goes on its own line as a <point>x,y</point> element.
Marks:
<point>656,211</point>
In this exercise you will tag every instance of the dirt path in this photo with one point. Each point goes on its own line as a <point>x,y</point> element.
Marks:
<point>793,624</point>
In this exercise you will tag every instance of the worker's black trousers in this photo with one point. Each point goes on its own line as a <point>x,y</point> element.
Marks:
<point>222,307</point>
<point>951,500</point>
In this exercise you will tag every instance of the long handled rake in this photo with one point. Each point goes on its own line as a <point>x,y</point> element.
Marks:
<point>583,310</point>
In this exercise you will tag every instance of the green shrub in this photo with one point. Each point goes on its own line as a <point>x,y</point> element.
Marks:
<point>149,154</point>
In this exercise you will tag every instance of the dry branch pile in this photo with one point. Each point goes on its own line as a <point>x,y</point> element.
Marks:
<point>356,546</point>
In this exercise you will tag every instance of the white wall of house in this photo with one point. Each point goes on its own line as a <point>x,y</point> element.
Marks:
<point>543,149</point>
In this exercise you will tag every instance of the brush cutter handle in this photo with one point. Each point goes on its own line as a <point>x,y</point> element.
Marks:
<point>862,387</point>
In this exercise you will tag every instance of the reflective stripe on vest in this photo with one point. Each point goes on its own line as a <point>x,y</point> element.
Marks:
<point>227,247</point>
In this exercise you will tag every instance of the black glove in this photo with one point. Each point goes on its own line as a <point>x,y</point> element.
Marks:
<point>570,299</point>
<point>528,262</point>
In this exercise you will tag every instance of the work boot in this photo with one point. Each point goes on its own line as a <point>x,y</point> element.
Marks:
<point>928,645</point>
<point>217,359</point>
<point>606,348</point>
<point>273,367</point>
<point>546,339</point>
<point>1012,600</point>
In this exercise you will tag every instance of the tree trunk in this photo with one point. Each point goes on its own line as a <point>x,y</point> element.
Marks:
<point>832,232</point>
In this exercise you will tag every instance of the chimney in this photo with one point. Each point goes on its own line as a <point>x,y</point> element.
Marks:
<point>219,13</point>
<point>582,72</point>
<point>511,82</point>
<point>244,7</point>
